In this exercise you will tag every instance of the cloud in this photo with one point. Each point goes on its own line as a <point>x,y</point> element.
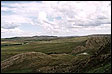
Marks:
<point>11,32</point>
<point>16,32</point>
<point>13,21</point>
<point>4,8</point>
<point>59,17</point>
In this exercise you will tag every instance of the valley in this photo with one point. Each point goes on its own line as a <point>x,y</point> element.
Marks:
<point>52,54</point>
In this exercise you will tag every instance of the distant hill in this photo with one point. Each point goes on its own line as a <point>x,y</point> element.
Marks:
<point>100,35</point>
<point>31,38</point>
<point>90,54</point>
<point>48,37</point>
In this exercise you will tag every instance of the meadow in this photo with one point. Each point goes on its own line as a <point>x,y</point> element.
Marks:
<point>55,55</point>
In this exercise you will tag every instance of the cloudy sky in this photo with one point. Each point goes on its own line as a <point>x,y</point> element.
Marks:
<point>71,18</point>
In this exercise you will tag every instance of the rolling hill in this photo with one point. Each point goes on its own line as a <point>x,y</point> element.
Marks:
<point>81,54</point>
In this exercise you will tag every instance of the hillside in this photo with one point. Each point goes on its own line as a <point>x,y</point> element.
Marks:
<point>85,54</point>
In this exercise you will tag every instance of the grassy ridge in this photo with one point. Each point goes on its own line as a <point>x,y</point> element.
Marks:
<point>49,47</point>
<point>59,55</point>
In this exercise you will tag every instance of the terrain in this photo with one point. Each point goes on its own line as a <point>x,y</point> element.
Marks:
<point>52,54</point>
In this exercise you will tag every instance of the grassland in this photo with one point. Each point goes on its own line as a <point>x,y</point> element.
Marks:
<point>56,55</point>
<point>53,46</point>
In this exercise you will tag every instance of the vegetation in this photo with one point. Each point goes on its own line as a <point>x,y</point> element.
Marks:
<point>51,54</point>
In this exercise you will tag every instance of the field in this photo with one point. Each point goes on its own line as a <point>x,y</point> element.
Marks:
<point>56,54</point>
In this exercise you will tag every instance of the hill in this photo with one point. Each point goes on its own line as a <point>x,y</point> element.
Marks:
<point>85,54</point>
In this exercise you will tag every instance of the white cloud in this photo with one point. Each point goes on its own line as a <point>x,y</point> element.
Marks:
<point>13,21</point>
<point>4,8</point>
<point>16,32</point>
<point>11,32</point>
<point>75,16</point>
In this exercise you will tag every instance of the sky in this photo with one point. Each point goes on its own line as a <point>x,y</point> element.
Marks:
<point>55,18</point>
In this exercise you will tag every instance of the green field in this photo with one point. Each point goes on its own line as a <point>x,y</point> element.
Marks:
<point>55,55</point>
<point>53,46</point>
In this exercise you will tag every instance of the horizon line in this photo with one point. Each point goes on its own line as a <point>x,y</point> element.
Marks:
<point>56,36</point>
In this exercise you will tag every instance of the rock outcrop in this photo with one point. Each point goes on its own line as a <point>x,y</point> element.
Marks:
<point>93,43</point>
